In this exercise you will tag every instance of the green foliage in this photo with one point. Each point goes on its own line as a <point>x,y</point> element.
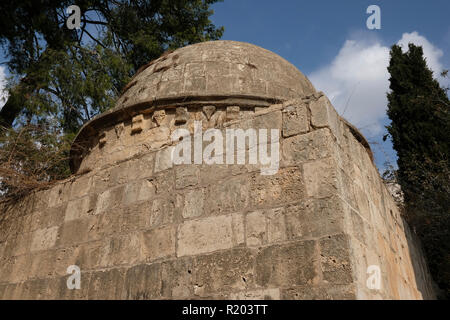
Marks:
<point>69,76</point>
<point>75,74</point>
<point>420,125</point>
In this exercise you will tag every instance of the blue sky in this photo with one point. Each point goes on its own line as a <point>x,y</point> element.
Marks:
<point>329,42</point>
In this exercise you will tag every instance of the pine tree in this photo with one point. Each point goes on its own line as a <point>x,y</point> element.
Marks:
<point>62,78</point>
<point>74,74</point>
<point>420,126</point>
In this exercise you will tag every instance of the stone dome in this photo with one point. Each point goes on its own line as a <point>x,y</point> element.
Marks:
<point>215,72</point>
<point>216,68</point>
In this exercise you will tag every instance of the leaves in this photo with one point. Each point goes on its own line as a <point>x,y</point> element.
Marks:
<point>419,111</point>
<point>62,78</point>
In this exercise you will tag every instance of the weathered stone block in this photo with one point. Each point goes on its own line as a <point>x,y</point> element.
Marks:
<point>143,282</point>
<point>211,174</point>
<point>186,176</point>
<point>223,272</point>
<point>261,294</point>
<point>276,225</point>
<point>335,259</point>
<point>142,167</point>
<point>22,244</point>
<point>67,294</point>
<point>271,119</point>
<point>229,196</point>
<point>195,84</point>
<point>159,243</point>
<point>119,174</point>
<point>295,120</point>
<point>125,249</point>
<point>109,199</point>
<point>177,278</point>
<point>358,226</point>
<point>132,218</point>
<point>131,192</point>
<point>324,115</point>
<point>256,233</point>
<point>323,292</point>
<point>58,194</point>
<point>105,285</point>
<point>217,68</point>
<point>164,182</point>
<point>44,239</point>
<point>195,69</point>
<point>47,218</point>
<point>75,231</point>
<point>163,159</point>
<point>193,203</point>
<point>247,84</point>
<point>205,235</point>
<point>284,187</point>
<point>320,178</point>
<point>362,202</point>
<point>167,88</point>
<point>310,146</point>
<point>42,264</point>
<point>72,255</point>
<point>287,265</point>
<point>220,84</point>
<point>238,227</point>
<point>80,208</point>
<point>314,218</point>
<point>80,187</point>
<point>162,212</point>
<point>21,268</point>
<point>6,269</point>
<point>147,190</point>
<point>41,289</point>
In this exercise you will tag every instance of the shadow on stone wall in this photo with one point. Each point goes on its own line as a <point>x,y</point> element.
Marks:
<point>425,283</point>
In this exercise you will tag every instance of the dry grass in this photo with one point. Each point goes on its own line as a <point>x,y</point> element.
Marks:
<point>31,157</point>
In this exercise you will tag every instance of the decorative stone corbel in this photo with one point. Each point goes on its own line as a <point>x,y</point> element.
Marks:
<point>232,113</point>
<point>209,111</point>
<point>182,115</point>
<point>158,117</point>
<point>119,129</point>
<point>137,124</point>
<point>102,139</point>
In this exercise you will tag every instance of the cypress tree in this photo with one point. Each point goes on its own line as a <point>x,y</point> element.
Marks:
<point>420,125</point>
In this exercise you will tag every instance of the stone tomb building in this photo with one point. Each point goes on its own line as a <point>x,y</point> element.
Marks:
<point>140,227</point>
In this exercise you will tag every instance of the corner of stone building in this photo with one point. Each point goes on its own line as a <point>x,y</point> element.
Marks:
<point>141,227</point>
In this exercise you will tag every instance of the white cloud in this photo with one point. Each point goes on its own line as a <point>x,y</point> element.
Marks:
<point>3,93</point>
<point>357,80</point>
<point>432,54</point>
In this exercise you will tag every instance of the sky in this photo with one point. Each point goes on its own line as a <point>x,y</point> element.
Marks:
<point>329,42</point>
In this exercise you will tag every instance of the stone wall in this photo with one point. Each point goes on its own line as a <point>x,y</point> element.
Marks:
<point>141,228</point>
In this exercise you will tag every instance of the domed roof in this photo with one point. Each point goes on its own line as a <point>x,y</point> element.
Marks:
<point>214,72</point>
<point>216,68</point>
